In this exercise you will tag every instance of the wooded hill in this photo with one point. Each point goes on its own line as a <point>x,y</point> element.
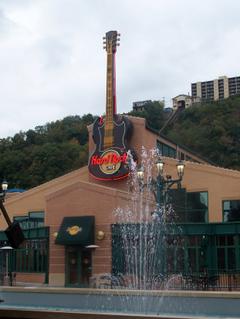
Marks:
<point>33,157</point>
<point>212,130</point>
<point>41,154</point>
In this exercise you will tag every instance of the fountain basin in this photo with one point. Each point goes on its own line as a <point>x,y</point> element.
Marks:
<point>113,303</point>
<point>39,314</point>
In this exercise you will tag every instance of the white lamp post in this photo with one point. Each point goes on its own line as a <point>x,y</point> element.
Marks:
<point>7,249</point>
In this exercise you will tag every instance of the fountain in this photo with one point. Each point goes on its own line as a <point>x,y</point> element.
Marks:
<point>139,285</point>
<point>140,234</point>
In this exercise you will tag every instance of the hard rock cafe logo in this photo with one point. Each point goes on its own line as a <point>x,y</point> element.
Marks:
<point>110,161</point>
<point>74,230</point>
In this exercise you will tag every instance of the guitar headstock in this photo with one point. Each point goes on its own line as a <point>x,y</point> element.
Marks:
<point>111,41</point>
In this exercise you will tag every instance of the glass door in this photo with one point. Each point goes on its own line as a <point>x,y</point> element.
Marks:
<point>73,264</point>
<point>78,267</point>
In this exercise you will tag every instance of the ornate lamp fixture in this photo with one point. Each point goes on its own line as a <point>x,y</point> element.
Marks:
<point>162,183</point>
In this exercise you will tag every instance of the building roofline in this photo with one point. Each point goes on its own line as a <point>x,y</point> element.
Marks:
<point>213,169</point>
<point>47,185</point>
<point>187,95</point>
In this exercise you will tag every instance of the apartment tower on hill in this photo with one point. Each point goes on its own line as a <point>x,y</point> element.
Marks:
<point>217,89</point>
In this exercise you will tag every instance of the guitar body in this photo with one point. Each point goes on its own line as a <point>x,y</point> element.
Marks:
<point>110,163</point>
<point>122,131</point>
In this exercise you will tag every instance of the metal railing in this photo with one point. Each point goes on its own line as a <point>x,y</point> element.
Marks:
<point>207,281</point>
<point>211,280</point>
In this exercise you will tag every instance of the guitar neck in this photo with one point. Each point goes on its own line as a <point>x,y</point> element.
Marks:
<point>110,100</point>
<point>110,88</point>
<point>111,43</point>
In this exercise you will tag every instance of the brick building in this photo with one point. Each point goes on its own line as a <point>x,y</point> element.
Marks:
<point>217,89</point>
<point>55,214</point>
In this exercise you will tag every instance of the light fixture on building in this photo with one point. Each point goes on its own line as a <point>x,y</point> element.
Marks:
<point>91,246</point>
<point>100,235</point>
<point>55,234</point>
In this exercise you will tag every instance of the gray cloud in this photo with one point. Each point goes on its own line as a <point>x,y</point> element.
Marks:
<point>53,65</point>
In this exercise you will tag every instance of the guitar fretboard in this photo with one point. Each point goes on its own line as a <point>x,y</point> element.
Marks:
<point>110,100</point>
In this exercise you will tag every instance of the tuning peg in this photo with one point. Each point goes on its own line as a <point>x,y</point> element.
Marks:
<point>104,38</point>
<point>104,42</point>
<point>104,48</point>
<point>118,34</point>
<point>118,44</point>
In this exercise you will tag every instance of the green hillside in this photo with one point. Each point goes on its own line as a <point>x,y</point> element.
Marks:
<point>209,129</point>
<point>212,130</point>
<point>36,156</point>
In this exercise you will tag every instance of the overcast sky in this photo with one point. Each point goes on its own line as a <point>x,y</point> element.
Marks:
<point>52,63</point>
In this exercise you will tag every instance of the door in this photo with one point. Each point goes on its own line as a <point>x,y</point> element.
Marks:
<point>78,267</point>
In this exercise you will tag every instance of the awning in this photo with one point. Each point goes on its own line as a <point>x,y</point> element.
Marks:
<point>76,231</point>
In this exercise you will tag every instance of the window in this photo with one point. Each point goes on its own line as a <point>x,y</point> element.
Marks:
<point>23,221</point>
<point>166,150</point>
<point>226,252</point>
<point>186,254</point>
<point>197,207</point>
<point>32,258</point>
<point>231,210</point>
<point>36,219</point>
<point>189,207</point>
<point>188,158</point>
<point>32,220</point>
<point>193,250</point>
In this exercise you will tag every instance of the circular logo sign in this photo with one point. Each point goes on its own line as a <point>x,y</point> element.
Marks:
<point>74,230</point>
<point>110,162</point>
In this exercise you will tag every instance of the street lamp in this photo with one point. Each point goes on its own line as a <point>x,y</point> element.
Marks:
<point>13,232</point>
<point>8,271</point>
<point>4,185</point>
<point>180,169</point>
<point>4,190</point>
<point>162,183</point>
<point>160,166</point>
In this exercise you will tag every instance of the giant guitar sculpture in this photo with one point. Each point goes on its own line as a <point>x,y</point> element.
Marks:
<point>111,133</point>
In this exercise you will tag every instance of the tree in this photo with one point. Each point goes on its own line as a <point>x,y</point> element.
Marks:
<point>153,113</point>
<point>212,130</point>
<point>36,156</point>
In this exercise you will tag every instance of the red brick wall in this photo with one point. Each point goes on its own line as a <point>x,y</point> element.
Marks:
<point>83,199</point>
<point>30,278</point>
